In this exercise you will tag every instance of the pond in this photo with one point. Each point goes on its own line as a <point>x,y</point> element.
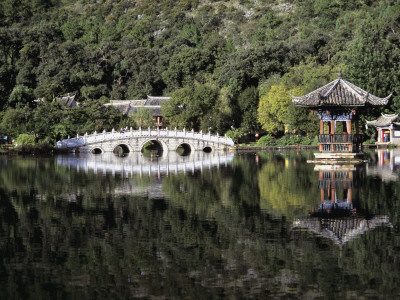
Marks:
<point>204,225</point>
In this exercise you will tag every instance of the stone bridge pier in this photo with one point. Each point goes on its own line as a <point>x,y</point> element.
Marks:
<point>134,141</point>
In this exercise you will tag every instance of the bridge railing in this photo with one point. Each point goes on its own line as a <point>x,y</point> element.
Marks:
<point>116,135</point>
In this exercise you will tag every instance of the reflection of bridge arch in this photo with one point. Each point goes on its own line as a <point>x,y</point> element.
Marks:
<point>136,163</point>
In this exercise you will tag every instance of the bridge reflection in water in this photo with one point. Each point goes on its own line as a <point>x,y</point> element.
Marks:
<point>135,163</point>
<point>338,216</point>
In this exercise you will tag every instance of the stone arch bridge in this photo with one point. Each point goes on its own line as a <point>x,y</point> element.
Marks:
<point>134,140</point>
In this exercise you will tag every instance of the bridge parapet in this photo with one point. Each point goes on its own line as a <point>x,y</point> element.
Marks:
<point>98,138</point>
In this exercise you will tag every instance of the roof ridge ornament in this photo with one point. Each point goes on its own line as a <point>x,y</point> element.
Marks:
<point>340,73</point>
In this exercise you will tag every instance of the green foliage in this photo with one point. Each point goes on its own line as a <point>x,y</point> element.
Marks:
<point>13,122</point>
<point>25,140</point>
<point>21,96</point>
<point>370,141</point>
<point>236,134</point>
<point>143,118</point>
<point>273,108</point>
<point>267,140</point>
<point>248,102</point>
<point>130,49</point>
<point>191,107</point>
<point>287,140</point>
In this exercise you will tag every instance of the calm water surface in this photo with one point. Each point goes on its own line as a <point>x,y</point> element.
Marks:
<point>204,226</point>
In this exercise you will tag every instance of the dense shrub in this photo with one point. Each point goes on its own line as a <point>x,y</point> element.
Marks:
<point>289,139</point>
<point>370,141</point>
<point>25,140</point>
<point>267,140</point>
<point>236,134</point>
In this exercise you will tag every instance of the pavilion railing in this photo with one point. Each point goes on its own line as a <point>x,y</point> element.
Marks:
<point>340,138</point>
<point>340,142</point>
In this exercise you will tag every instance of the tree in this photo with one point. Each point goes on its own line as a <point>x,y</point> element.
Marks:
<point>373,56</point>
<point>191,107</point>
<point>248,103</point>
<point>273,108</point>
<point>14,122</point>
<point>143,118</point>
<point>21,96</point>
<point>25,140</point>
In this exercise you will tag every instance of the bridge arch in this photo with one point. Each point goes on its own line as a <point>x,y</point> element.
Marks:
<point>184,149</point>
<point>162,143</point>
<point>121,149</point>
<point>96,150</point>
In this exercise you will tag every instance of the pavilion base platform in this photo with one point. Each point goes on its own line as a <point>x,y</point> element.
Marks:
<point>333,158</point>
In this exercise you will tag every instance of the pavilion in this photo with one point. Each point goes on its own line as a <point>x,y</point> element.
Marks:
<point>339,101</point>
<point>388,127</point>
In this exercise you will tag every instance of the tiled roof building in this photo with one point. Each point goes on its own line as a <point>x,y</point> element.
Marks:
<point>388,127</point>
<point>339,101</point>
<point>153,103</point>
<point>341,93</point>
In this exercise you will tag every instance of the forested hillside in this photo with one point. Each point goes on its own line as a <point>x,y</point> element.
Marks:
<point>217,59</point>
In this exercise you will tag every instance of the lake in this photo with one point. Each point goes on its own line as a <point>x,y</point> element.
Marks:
<point>203,226</point>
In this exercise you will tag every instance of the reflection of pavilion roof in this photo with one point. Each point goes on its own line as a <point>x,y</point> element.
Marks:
<point>341,230</point>
<point>384,120</point>
<point>339,93</point>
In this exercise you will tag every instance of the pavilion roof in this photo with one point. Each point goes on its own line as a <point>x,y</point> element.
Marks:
<point>339,93</point>
<point>342,230</point>
<point>384,120</point>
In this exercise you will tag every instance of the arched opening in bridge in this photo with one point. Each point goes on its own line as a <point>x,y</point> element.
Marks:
<point>183,149</point>
<point>207,149</point>
<point>96,151</point>
<point>152,148</point>
<point>121,150</point>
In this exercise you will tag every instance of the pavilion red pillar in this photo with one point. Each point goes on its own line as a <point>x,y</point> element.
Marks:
<point>349,132</point>
<point>321,131</point>
<point>332,131</point>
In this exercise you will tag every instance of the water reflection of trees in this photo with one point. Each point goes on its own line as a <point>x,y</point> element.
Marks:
<point>211,237</point>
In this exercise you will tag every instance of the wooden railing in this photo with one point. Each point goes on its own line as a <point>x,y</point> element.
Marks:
<point>340,138</point>
<point>340,142</point>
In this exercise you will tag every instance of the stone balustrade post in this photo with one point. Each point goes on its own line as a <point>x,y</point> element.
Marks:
<point>149,131</point>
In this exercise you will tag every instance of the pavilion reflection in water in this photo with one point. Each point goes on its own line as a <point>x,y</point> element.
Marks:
<point>337,217</point>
